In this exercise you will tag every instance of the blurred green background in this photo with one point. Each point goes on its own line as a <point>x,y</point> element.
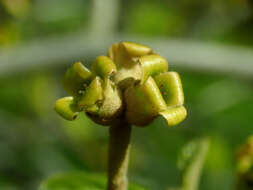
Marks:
<point>210,43</point>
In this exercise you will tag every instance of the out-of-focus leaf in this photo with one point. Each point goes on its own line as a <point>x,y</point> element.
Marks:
<point>154,19</point>
<point>17,8</point>
<point>6,185</point>
<point>78,181</point>
<point>192,161</point>
<point>9,34</point>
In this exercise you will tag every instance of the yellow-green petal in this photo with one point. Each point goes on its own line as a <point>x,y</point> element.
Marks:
<point>170,86</point>
<point>143,102</point>
<point>66,108</point>
<point>103,66</point>
<point>174,115</point>
<point>76,78</point>
<point>135,50</point>
<point>119,56</point>
<point>152,65</point>
<point>92,94</point>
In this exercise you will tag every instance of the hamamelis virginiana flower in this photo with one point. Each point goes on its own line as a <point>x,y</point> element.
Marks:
<point>131,83</point>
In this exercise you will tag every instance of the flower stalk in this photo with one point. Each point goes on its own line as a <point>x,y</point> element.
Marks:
<point>119,148</point>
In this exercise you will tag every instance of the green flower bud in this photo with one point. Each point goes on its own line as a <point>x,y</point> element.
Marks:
<point>143,102</point>
<point>152,65</point>
<point>124,52</point>
<point>134,49</point>
<point>174,115</point>
<point>130,86</point>
<point>127,67</point>
<point>103,67</point>
<point>66,107</point>
<point>131,69</point>
<point>126,55</point>
<point>170,86</point>
<point>111,106</point>
<point>91,95</point>
<point>76,78</point>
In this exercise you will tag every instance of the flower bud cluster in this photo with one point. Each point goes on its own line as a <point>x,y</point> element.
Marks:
<point>131,83</point>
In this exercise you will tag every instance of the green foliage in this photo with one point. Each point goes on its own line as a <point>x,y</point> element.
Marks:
<point>4,184</point>
<point>79,181</point>
<point>152,18</point>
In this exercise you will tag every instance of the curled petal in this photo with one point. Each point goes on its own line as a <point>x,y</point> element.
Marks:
<point>170,86</point>
<point>152,65</point>
<point>103,67</point>
<point>174,115</point>
<point>66,108</point>
<point>143,102</point>
<point>134,49</point>
<point>91,95</point>
<point>75,79</point>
